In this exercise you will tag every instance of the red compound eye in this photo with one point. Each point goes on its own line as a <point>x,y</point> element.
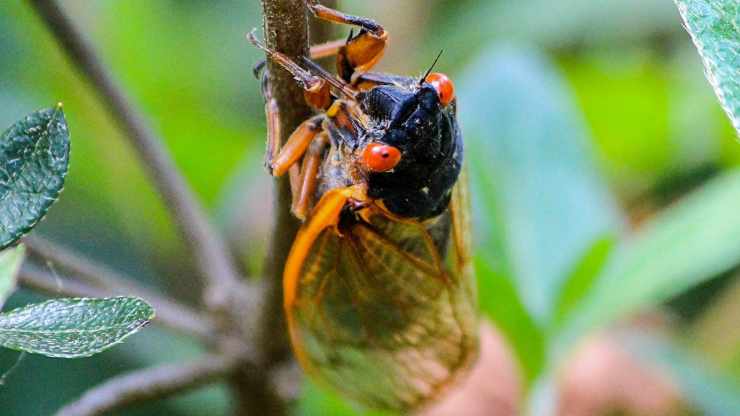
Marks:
<point>443,85</point>
<point>380,157</point>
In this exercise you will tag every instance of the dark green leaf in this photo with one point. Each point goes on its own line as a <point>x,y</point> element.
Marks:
<point>71,328</point>
<point>714,26</point>
<point>34,158</point>
<point>582,277</point>
<point>543,202</point>
<point>689,243</point>
<point>10,262</point>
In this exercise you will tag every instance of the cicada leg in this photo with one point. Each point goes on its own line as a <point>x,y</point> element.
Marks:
<point>296,145</point>
<point>285,159</point>
<point>316,90</point>
<point>272,115</point>
<point>308,179</point>
<point>360,52</point>
<point>320,51</point>
<point>326,49</point>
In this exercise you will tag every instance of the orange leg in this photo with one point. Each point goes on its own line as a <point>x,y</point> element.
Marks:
<point>320,51</point>
<point>316,90</point>
<point>343,114</point>
<point>327,49</point>
<point>361,52</point>
<point>272,114</point>
<point>296,145</point>
<point>308,180</point>
<point>294,177</point>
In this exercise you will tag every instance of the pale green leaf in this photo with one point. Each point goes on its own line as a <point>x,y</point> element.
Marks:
<point>34,158</point>
<point>689,243</point>
<point>714,26</point>
<point>10,263</point>
<point>71,328</point>
<point>541,199</point>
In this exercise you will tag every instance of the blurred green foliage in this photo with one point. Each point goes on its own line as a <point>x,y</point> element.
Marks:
<point>10,262</point>
<point>582,115</point>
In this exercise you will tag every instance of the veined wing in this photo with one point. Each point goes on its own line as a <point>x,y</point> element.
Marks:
<point>379,315</point>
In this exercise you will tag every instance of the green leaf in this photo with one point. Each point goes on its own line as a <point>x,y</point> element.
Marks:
<point>714,26</point>
<point>34,158</point>
<point>500,302</point>
<point>689,243</point>
<point>543,202</point>
<point>582,278</point>
<point>71,328</point>
<point>10,263</point>
<point>317,400</point>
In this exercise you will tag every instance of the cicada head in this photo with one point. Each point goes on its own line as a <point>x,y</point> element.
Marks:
<point>413,150</point>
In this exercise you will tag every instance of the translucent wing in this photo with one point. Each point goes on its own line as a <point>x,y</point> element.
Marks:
<point>380,312</point>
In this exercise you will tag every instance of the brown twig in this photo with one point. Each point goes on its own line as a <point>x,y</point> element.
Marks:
<point>35,278</point>
<point>169,314</point>
<point>207,248</point>
<point>286,31</point>
<point>150,384</point>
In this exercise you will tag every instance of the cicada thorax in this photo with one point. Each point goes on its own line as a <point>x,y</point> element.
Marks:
<point>379,312</point>
<point>431,146</point>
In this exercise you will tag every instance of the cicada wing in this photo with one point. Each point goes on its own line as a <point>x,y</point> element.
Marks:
<point>379,315</point>
<point>461,256</point>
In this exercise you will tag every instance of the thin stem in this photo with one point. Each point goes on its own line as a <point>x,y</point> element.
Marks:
<point>82,267</point>
<point>101,276</point>
<point>207,248</point>
<point>171,315</point>
<point>149,384</point>
<point>39,280</point>
<point>286,30</point>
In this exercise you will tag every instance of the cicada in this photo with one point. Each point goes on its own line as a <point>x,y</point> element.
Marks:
<point>379,293</point>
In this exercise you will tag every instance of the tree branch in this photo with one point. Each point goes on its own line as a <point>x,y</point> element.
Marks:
<point>149,384</point>
<point>39,280</point>
<point>207,248</point>
<point>286,31</point>
<point>82,267</point>
<point>171,315</point>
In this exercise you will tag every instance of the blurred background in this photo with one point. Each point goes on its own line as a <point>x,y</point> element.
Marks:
<point>587,122</point>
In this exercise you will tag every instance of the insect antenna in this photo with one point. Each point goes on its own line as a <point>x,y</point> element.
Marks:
<point>429,71</point>
<point>335,82</point>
